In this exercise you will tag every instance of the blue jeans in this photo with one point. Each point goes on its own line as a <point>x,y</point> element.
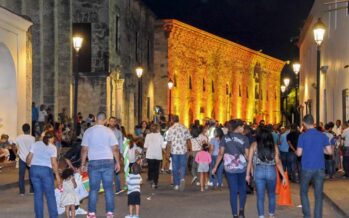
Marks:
<point>21,175</point>
<point>43,183</point>
<point>217,179</point>
<point>117,182</point>
<point>291,165</point>
<point>265,179</point>
<point>237,184</point>
<point>330,167</point>
<point>101,171</point>
<point>316,177</point>
<point>179,164</point>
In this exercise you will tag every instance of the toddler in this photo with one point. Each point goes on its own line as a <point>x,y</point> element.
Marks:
<point>203,158</point>
<point>134,181</point>
<point>69,198</point>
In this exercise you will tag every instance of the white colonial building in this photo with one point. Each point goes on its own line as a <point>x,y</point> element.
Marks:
<point>334,80</point>
<point>15,72</point>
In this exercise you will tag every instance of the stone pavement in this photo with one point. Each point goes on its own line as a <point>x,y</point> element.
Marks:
<point>165,202</point>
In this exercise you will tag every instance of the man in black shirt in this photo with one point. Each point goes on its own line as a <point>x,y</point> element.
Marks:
<point>73,158</point>
<point>292,160</point>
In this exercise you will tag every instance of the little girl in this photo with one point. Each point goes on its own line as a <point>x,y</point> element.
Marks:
<point>203,158</point>
<point>69,198</point>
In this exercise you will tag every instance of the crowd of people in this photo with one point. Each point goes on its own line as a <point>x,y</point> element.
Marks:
<point>246,154</point>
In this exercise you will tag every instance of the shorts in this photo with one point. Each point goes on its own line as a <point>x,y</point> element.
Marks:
<point>134,198</point>
<point>203,168</point>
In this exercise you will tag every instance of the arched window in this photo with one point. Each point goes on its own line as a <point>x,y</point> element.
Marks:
<point>239,90</point>
<point>203,85</point>
<point>246,92</point>
<point>227,89</point>
<point>212,86</point>
<point>190,86</point>
<point>175,80</point>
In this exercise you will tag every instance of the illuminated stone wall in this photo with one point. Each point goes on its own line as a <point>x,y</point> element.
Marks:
<point>214,77</point>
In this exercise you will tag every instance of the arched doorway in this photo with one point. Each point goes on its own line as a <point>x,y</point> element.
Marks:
<point>8,92</point>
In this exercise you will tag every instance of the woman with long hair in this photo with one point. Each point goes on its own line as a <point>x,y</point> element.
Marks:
<point>42,160</point>
<point>263,157</point>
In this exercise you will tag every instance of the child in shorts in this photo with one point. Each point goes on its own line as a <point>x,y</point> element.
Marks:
<point>203,158</point>
<point>134,181</point>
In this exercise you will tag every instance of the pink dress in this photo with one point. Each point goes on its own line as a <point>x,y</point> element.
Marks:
<point>203,158</point>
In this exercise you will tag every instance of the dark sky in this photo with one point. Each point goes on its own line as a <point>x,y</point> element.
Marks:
<point>258,24</point>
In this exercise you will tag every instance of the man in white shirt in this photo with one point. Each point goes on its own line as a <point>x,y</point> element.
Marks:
<point>101,146</point>
<point>23,143</point>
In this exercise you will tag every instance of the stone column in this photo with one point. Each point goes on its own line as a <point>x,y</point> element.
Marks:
<point>119,99</point>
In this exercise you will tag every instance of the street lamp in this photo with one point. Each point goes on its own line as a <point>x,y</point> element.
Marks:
<point>139,73</point>
<point>283,89</point>
<point>77,44</point>
<point>296,69</point>
<point>170,86</point>
<point>287,82</point>
<point>319,32</point>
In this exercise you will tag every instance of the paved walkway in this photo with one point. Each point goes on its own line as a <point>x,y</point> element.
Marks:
<point>169,203</point>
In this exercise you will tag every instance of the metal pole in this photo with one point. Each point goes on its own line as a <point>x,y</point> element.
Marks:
<point>169,109</point>
<point>76,88</point>
<point>318,87</point>
<point>139,100</point>
<point>297,109</point>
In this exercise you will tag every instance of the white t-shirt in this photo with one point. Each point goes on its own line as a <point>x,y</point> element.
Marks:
<point>23,143</point>
<point>42,115</point>
<point>154,143</point>
<point>196,143</point>
<point>42,154</point>
<point>132,157</point>
<point>100,141</point>
<point>345,135</point>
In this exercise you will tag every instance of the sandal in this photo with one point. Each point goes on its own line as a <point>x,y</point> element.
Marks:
<point>91,215</point>
<point>110,215</point>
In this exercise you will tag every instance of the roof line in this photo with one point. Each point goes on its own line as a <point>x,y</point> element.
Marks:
<point>220,39</point>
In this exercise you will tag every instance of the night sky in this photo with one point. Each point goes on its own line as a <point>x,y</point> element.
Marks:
<point>270,25</point>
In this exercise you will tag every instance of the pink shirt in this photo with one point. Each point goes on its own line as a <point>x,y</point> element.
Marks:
<point>203,157</point>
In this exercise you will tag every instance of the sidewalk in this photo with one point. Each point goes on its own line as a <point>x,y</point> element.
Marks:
<point>336,192</point>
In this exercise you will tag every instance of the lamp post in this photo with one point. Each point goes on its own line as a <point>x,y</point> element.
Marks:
<point>319,32</point>
<point>77,43</point>
<point>296,68</point>
<point>139,73</point>
<point>170,86</point>
<point>283,89</point>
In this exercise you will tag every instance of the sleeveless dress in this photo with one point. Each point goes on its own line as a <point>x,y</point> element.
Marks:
<point>69,196</point>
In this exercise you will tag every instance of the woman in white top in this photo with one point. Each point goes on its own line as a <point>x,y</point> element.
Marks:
<point>42,160</point>
<point>154,143</point>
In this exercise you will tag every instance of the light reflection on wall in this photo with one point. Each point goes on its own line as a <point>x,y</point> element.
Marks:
<point>227,64</point>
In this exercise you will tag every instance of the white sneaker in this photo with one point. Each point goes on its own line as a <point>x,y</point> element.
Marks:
<point>80,211</point>
<point>128,216</point>
<point>194,179</point>
<point>197,183</point>
<point>176,188</point>
<point>210,183</point>
<point>182,185</point>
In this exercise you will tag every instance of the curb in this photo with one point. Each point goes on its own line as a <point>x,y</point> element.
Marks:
<point>334,205</point>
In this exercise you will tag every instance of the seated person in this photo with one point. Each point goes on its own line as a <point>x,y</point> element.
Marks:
<point>73,158</point>
<point>6,145</point>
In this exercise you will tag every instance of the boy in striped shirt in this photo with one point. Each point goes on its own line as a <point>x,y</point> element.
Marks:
<point>134,181</point>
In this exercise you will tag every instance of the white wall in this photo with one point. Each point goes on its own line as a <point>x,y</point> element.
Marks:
<point>14,97</point>
<point>334,54</point>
